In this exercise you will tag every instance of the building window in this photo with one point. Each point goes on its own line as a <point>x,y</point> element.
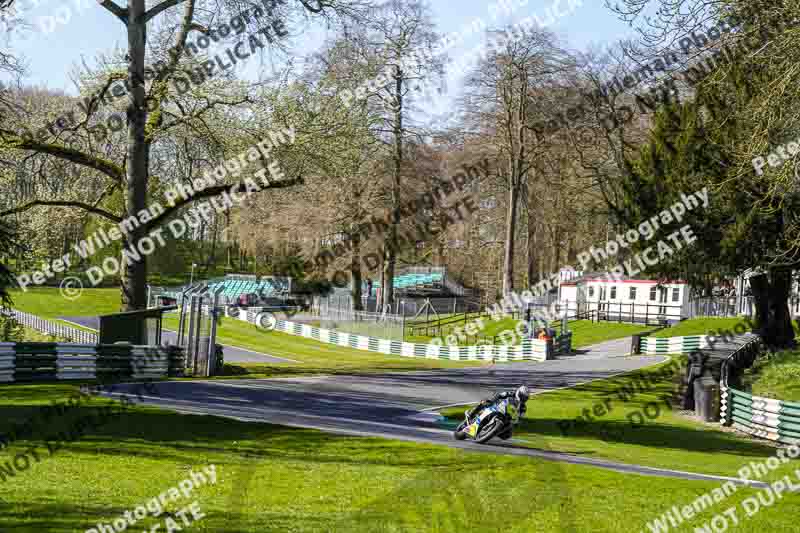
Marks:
<point>676,295</point>
<point>614,292</point>
<point>632,293</point>
<point>602,293</point>
<point>653,294</point>
<point>591,292</point>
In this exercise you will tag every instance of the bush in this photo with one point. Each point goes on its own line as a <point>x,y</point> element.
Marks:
<point>10,329</point>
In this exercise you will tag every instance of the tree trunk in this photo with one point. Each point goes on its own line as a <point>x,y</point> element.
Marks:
<point>532,255</point>
<point>134,276</point>
<point>771,299</point>
<point>355,275</point>
<point>391,244</point>
<point>379,301</point>
<point>508,260</point>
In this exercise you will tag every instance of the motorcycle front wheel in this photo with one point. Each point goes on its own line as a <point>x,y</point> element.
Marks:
<point>488,431</point>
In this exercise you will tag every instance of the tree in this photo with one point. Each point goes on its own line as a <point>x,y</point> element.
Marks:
<point>154,109</point>
<point>398,47</point>
<point>501,100</point>
<point>7,280</point>
<point>737,113</point>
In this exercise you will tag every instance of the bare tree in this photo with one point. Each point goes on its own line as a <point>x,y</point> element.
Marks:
<point>501,103</point>
<point>399,45</point>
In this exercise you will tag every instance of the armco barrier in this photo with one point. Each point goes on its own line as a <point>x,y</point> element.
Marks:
<point>43,361</point>
<point>673,345</point>
<point>529,350</point>
<point>762,417</point>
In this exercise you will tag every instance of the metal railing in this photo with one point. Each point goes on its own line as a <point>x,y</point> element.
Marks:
<point>636,313</point>
<point>52,328</point>
<point>739,360</point>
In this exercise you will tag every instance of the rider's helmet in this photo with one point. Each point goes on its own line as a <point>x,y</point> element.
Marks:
<point>522,394</point>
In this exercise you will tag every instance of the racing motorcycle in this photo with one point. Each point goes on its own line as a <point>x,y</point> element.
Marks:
<point>496,420</point>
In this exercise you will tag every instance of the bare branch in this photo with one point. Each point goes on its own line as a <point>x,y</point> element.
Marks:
<point>156,10</point>
<point>216,191</point>
<point>120,12</point>
<point>10,139</point>
<point>63,203</point>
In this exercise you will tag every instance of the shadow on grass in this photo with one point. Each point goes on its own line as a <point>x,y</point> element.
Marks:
<point>651,434</point>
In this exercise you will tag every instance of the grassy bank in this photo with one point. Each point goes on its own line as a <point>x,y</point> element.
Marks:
<point>47,302</point>
<point>777,376</point>
<point>313,357</point>
<point>702,326</point>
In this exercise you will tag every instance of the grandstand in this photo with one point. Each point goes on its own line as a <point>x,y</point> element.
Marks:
<point>234,285</point>
<point>422,281</point>
<point>267,286</point>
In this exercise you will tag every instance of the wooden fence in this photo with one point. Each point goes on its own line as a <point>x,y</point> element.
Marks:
<point>48,361</point>
<point>53,328</point>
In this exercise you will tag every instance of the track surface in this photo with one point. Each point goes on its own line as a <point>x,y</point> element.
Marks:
<point>402,405</point>
<point>233,354</point>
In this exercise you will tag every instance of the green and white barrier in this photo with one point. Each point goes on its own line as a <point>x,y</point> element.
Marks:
<point>529,350</point>
<point>673,345</point>
<point>762,417</point>
<point>7,362</point>
<point>48,361</point>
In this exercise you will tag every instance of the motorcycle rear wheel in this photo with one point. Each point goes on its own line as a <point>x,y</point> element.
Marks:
<point>459,434</point>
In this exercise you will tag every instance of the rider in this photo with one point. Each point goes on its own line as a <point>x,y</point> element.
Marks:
<point>518,397</point>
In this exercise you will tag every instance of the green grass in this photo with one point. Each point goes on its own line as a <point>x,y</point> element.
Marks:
<point>666,440</point>
<point>586,332</point>
<point>777,376</point>
<point>47,302</point>
<point>314,357</point>
<point>276,479</point>
<point>31,335</point>
<point>701,326</point>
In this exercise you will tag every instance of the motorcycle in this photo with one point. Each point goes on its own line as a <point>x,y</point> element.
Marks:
<point>495,420</point>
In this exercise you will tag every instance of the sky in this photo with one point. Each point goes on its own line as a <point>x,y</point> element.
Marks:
<point>53,48</point>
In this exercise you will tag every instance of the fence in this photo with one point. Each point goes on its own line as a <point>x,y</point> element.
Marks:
<point>657,314</point>
<point>529,350</point>
<point>48,361</point>
<point>382,325</point>
<point>52,328</point>
<point>408,306</point>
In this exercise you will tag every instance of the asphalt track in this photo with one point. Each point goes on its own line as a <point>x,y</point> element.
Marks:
<point>233,354</point>
<point>403,405</point>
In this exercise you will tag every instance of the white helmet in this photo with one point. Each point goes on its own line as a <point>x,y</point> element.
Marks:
<point>522,394</point>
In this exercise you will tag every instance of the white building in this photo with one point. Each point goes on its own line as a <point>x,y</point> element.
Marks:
<point>626,299</point>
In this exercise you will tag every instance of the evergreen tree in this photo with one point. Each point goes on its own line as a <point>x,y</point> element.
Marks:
<point>749,224</point>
